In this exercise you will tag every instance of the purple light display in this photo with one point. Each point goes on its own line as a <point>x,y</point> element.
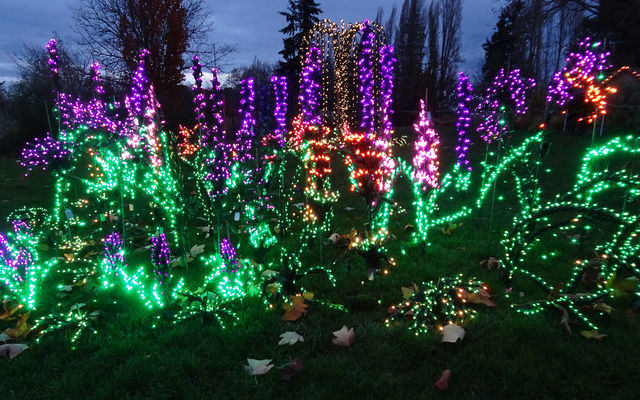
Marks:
<point>464,93</point>
<point>310,88</point>
<point>142,107</point>
<point>425,161</point>
<point>367,81</point>
<point>96,79</point>
<point>244,136</point>
<point>279,84</point>
<point>199,95</point>
<point>216,106</point>
<point>44,152</point>
<point>17,258</point>
<point>582,69</point>
<point>228,253</point>
<point>506,95</point>
<point>113,251</point>
<point>387,64</point>
<point>160,257</point>
<point>54,59</point>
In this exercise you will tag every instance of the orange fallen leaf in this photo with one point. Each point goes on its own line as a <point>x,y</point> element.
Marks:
<point>295,310</point>
<point>22,328</point>
<point>9,310</point>
<point>481,296</point>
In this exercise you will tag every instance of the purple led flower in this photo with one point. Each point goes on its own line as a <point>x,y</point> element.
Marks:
<point>160,257</point>
<point>464,93</point>
<point>280,111</point>
<point>96,79</point>
<point>113,246</point>
<point>425,161</point>
<point>54,58</point>
<point>506,95</point>
<point>45,152</point>
<point>367,80</point>
<point>244,136</point>
<point>387,63</point>
<point>228,253</point>
<point>581,71</point>
<point>310,88</point>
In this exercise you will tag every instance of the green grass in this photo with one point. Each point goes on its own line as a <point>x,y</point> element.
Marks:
<point>505,355</point>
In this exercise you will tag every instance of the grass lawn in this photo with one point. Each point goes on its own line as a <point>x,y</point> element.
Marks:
<point>505,355</point>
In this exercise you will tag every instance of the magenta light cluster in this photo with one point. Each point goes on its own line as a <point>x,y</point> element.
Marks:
<point>506,95</point>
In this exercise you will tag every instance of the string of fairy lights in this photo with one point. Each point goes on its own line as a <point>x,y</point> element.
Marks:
<point>124,185</point>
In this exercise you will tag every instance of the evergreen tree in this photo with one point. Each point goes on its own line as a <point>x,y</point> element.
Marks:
<point>301,16</point>
<point>506,46</point>
<point>409,44</point>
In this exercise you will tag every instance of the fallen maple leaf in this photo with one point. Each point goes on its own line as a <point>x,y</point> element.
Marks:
<point>443,382</point>
<point>292,369</point>
<point>481,296</point>
<point>22,328</point>
<point>295,310</point>
<point>594,334</point>
<point>452,333</point>
<point>12,350</point>
<point>258,367</point>
<point>344,337</point>
<point>290,338</point>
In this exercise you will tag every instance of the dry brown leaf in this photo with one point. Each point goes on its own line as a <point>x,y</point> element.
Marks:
<point>443,382</point>
<point>479,297</point>
<point>594,334</point>
<point>296,309</point>
<point>22,328</point>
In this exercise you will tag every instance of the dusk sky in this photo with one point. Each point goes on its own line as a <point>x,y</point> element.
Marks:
<point>252,25</point>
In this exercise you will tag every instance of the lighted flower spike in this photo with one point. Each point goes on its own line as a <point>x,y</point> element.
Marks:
<point>96,79</point>
<point>387,64</point>
<point>142,108</point>
<point>113,260</point>
<point>367,80</point>
<point>310,88</point>
<point>21,270</point>
<point>229,256</point>
<point>199,93</point>
<point>583,75</point>
<point>160,258</point>
<point>277,138</point>
<point>505,98</point>
<point>54,58</point>
<point>244,136</point>
<point>45,152</point>
<point>464,93</point>
<point>425,162</point>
